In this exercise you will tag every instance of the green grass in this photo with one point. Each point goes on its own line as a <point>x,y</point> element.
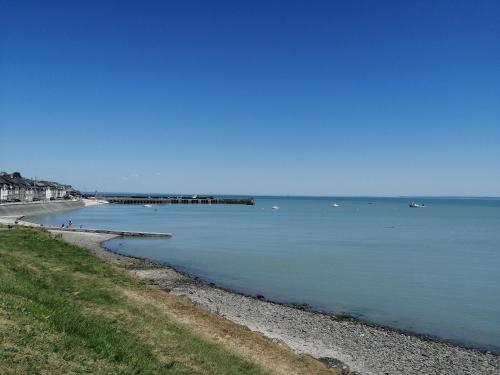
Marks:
<point>64,311</point>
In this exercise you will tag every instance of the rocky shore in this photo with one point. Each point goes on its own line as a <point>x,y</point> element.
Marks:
<point>353,347</point>
<point>363,348</point>
<point>349,345</point>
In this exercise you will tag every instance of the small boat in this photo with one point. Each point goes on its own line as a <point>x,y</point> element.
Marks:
<point>335,205</point>
<point>148,205</point>
<point>275,207</point>
<point>416,205</point>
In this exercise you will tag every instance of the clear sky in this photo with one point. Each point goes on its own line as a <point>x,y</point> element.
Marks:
<point>253,97</point>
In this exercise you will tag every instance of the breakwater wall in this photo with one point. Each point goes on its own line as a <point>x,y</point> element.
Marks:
<point>177,200</point>
<point>36,208</point>
<point>123,233</point>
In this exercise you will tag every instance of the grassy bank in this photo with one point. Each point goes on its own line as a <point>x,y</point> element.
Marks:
<point>64,311</point>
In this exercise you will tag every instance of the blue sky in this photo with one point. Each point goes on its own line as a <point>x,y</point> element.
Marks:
<point>253,97</point>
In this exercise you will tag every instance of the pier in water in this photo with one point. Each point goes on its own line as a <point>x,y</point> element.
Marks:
<point>134,199</point>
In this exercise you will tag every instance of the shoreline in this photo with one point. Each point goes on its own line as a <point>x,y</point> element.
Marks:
<point>341,317</point>
<point>38,207</point>
<point>351,346</point>
<point>345,344</point>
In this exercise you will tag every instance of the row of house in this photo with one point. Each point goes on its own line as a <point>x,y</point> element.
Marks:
<point>15,188</point>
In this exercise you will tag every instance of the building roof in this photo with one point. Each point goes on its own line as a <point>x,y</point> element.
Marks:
<point>16,180</point>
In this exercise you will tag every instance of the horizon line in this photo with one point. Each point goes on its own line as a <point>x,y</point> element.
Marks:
<point>299,195</point>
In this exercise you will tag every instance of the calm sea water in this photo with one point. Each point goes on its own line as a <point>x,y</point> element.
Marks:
<point>434,270</point>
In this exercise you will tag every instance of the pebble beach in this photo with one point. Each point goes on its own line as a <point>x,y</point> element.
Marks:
<point>349,345</point>
<point>352,346</point>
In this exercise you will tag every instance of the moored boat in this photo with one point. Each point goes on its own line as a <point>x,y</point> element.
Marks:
<point>416,205</point>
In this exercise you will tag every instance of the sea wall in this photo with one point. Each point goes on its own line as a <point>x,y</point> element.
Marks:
<point>35,208</point>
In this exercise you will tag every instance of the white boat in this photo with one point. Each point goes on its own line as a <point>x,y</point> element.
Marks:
<point>416,205</point>
<point>275,207</point>
<point>335,205</point>
<point>94,202</point>
<point>148,205</point>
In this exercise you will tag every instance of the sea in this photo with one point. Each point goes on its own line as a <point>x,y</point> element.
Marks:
<point>433,271</point>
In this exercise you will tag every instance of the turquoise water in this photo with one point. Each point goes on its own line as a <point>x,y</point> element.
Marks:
<point>434,270</point>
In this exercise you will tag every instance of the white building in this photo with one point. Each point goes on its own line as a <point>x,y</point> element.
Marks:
<point>5,190</point>
<point>15,188</point>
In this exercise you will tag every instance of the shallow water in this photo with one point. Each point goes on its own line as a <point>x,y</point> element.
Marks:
<point>434,270</point>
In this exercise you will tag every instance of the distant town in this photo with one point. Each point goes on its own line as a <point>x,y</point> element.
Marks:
<point>16,188</point>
